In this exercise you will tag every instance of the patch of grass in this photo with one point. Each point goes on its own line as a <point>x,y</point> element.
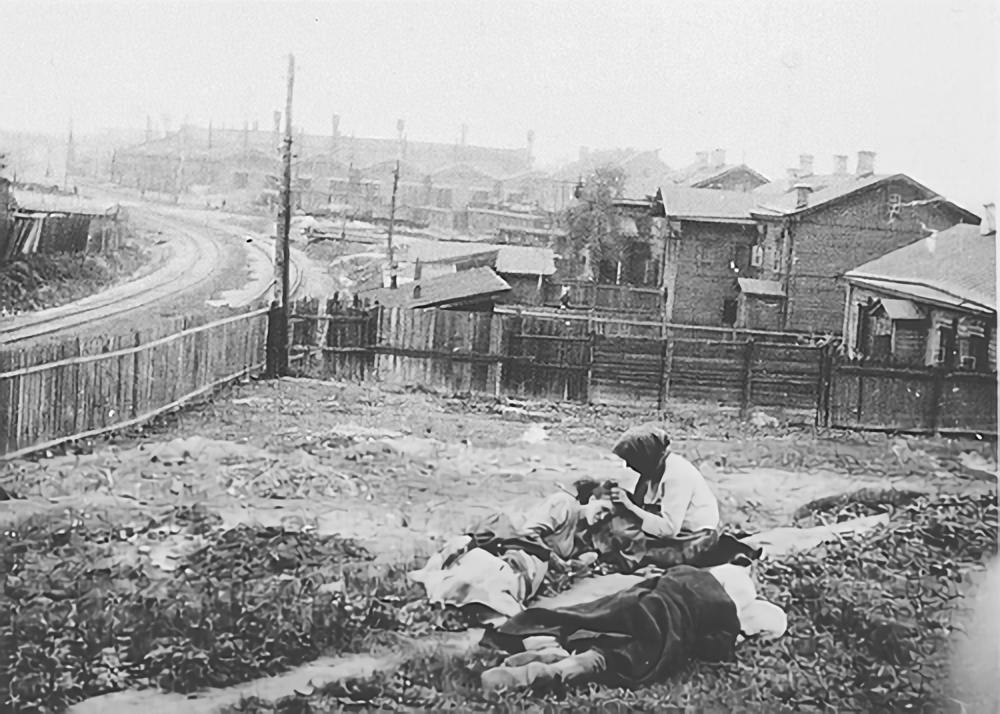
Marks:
<point>41,281</point>
<point>870,619</point>
<point>77,621</point>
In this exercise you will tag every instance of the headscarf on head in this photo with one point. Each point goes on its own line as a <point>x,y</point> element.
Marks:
<point>643,448</point>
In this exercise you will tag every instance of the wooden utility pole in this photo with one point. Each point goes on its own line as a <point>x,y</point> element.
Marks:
<point>277,347</point>
<point>392,221</point>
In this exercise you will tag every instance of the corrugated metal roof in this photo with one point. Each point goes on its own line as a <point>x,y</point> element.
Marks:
<point>901,309</point>
<point>764,288</point>
<point>956,267</point>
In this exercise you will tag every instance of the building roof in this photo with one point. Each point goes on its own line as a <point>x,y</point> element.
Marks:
<point>59,203</point>
<point>955,267</point>
<point>507,259</point>
<point>786,204</point>
<point>348,149</point>
<point>465,286</point>
<point>901,309</point>
<point>707,204</point>
<point>622,158</point>
<point>525,260</point>
<point>696,176</point>
<point>764,288</point>
<point>816,181</point>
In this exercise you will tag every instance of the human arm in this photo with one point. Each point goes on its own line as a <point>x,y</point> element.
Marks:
<point>676,495</point>
<point>548,517</point>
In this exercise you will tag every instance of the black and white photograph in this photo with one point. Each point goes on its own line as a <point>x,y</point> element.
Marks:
<point>482,356</point>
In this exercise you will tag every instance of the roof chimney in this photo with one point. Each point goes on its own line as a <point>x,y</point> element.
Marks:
<point>866,163</point>
<point>840,164</point>
<point>802,191</point>
<point>701,158</point>
<point>791,175</point>
<point>805,164</point>
<point>989,225</point>
<point>719,157</point>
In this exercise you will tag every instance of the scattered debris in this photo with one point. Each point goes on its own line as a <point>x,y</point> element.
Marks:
<point>763,421</point>
<point>534,434</point>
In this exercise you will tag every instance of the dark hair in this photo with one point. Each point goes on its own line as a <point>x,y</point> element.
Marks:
<point>588,488</point>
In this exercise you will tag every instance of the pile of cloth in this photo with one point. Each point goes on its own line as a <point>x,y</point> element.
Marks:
<point>638,636</point>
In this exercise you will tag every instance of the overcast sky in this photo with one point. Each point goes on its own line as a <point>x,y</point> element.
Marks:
<point>914,81</point>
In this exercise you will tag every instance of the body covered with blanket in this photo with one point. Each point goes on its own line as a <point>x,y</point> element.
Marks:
<point>631,638</point>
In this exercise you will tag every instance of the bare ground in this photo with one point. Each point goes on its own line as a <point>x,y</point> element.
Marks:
<point>400,469</point>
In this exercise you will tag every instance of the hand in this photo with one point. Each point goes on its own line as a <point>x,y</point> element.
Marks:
<point>620,495</point>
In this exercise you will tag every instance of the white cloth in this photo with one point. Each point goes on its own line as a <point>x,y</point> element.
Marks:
<point>764,619</point>
<point>478,577</point>
<point>684,499</point>
<point>757,617</point>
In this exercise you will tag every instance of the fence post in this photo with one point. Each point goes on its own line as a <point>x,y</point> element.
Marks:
<point>666,365</point>
<point>937,391</point>
<point>136,378</point>
<point>590,350</point>
<point>823,385</point>
<point>277,341</point>
<point>747,377</point>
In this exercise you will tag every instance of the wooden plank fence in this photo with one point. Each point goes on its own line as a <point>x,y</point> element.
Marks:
<point>906,399</point>
<point>74,389</point>
<point>610,298</point>
<point>562,356</point>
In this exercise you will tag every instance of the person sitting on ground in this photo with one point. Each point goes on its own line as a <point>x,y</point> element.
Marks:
<point>638,636</point>
<point>502,566</point>
<point>672,516</point>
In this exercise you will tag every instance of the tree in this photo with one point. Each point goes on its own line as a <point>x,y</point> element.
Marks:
<point>592,222</point>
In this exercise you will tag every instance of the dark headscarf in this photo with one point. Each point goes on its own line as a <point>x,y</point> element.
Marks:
<point>643,449</point>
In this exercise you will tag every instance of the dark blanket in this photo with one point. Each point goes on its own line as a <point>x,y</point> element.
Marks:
<point>646,633</point>
<point>621,542</point>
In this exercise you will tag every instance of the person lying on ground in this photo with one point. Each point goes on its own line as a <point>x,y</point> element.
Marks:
<point>672,516</point>
<point>502,566</point>
<point>636,637</point>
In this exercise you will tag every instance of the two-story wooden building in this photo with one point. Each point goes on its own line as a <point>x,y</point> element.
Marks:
<point>772,261</point>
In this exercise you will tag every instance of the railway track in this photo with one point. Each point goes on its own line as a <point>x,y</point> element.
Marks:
<point>201,257</point>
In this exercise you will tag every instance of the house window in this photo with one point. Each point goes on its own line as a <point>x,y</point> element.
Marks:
<point>895,205</point>
<point>740,257</point>
<point>973,345</point>
<point>757,256</point>
<point>945,346</point>
<point>729,311</point>
<point>703,255</point>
